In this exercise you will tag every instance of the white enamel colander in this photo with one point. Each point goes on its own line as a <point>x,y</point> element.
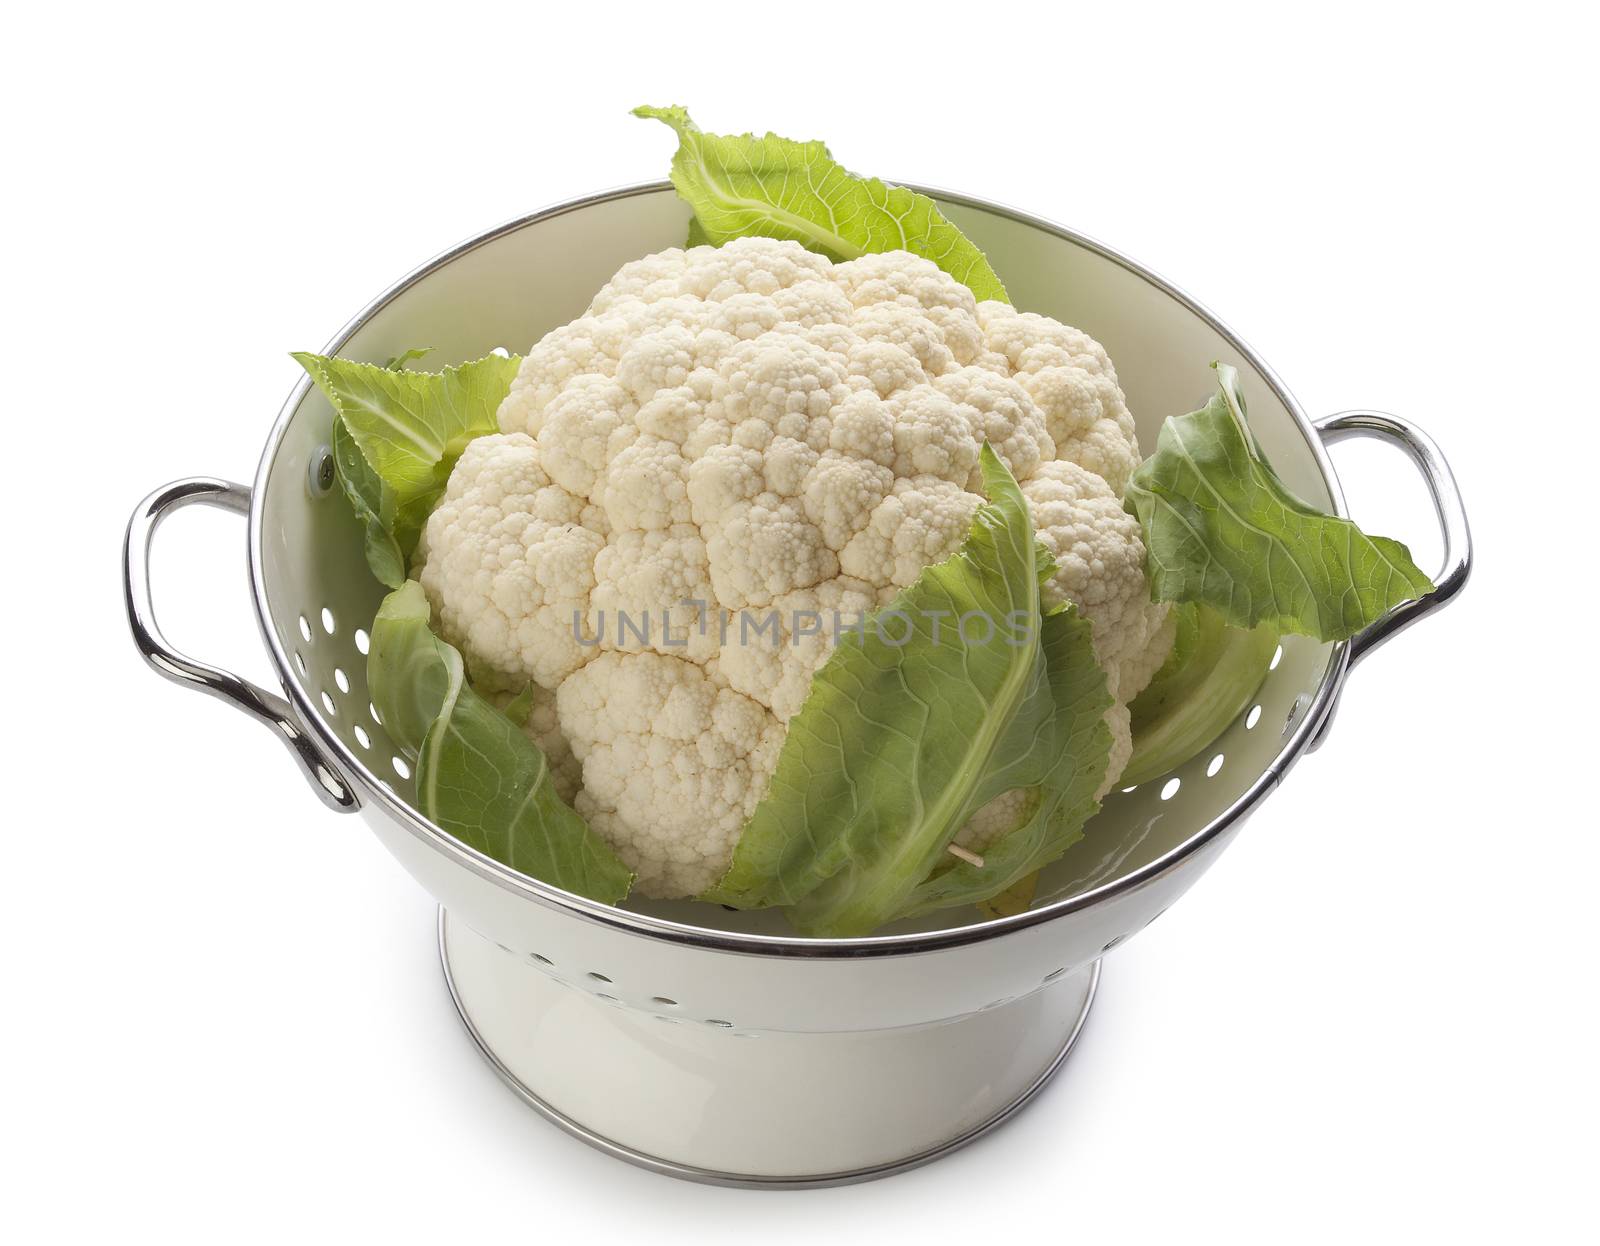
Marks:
<point>694,1040</point>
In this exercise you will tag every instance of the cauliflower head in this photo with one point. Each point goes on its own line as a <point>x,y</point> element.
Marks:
<point>730,457</point>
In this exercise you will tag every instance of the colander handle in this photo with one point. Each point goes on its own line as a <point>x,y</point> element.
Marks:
<point>1447,505</point>
<point>333,788</point>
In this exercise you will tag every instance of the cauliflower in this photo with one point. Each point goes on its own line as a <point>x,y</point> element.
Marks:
<point>754,439</point>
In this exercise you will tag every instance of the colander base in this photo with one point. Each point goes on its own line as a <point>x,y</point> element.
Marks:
<point>706,1101</point>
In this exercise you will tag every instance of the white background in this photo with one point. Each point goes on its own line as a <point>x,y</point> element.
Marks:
<point>1374,1020</point>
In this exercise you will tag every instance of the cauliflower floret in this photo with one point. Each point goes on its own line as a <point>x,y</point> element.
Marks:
<point>674,761</point>
<point>704,480</point>
<point>1087,421</point>
<point>771,656</point>
<point>585,426</point>
<point>653,579</point>
<point>1099,555</point>
<point>1069,376</point>
<point>922,521</point>
<point>999,411</point>
<point>894,277</point>
<point>508,566</point>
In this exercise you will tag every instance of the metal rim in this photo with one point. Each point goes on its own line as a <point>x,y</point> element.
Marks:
<point>486,867</point>
<point>716,1176</point>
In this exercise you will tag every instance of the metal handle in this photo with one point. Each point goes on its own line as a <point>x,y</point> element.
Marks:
<point>334,789</point>
<point>1447,505</point>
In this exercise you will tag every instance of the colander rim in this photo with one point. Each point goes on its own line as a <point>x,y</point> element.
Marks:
<point>375,789</point>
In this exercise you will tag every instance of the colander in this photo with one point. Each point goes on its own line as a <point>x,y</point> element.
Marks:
<point>702,1042</point>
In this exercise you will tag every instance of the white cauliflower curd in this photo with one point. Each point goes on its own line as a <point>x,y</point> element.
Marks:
<point>779,439</point>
